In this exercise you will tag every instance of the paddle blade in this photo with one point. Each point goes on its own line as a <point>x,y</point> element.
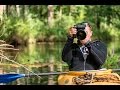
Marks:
<point>6,78</point>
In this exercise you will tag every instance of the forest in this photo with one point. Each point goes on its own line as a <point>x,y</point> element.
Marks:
<point>23,24</point>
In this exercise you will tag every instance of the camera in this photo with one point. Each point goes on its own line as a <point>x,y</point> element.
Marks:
<point>81,34</point>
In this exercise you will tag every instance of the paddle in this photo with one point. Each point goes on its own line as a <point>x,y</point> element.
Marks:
<point>6,78</point>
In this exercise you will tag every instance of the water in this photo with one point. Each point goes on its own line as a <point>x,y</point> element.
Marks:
<point>46,57</point>
<point>38,58</point>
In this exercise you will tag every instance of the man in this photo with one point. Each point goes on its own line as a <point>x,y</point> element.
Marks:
<point>86,54</point>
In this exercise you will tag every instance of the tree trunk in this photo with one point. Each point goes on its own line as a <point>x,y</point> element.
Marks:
<point>8,10</point>
<point>50,15</point>
<point>60,11</point>
<point>7,7</point>
<point>71,7</point>
<point>2,7</point>
<point>18,10</point>
<point>97,21</point>
<point>22,11</point>
<point>31,40</point>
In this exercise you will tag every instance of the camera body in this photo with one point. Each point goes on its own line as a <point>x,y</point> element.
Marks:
<point>81,34</point>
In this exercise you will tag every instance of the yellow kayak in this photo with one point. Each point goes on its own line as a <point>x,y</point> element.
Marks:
<point>92,77</point>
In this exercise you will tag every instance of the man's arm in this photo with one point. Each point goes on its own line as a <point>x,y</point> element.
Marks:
<point>67,51</point>
<point>98,52</point>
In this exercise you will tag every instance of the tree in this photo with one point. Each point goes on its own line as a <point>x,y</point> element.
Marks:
<point>50,15</point>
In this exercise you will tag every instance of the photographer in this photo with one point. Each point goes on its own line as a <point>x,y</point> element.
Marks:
<point>86,54</point>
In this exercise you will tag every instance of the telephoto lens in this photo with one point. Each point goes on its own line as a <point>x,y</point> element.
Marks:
<point>81,34</point>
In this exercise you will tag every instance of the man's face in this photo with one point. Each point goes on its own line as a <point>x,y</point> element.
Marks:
<point>88,34</point>
<point>88,31</point>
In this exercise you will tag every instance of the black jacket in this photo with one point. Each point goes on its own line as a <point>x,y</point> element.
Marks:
<point>73,56</point>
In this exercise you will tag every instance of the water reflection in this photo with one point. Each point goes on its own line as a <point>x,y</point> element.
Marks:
<point>46,57</point>
<point>43,57</point>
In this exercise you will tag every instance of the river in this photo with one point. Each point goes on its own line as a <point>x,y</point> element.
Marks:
<point>44,58</point>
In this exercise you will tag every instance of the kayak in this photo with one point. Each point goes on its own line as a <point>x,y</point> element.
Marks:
<point>90,77</point>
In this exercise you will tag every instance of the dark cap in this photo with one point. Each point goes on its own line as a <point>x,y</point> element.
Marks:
<point>85,23</point>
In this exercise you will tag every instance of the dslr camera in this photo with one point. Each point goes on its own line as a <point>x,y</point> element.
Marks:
<point>81,34</point>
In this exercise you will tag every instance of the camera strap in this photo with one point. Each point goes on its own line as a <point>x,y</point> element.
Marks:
<point>85,53</point>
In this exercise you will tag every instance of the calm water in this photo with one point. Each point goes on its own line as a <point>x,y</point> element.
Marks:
<point>44,57</point>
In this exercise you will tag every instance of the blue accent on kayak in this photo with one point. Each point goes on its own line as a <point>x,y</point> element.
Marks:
<point>6,78</point>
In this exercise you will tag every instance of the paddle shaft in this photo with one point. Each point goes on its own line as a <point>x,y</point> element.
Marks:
<point>46,74</point>
<point>58,73</point>
<point>115,70</point>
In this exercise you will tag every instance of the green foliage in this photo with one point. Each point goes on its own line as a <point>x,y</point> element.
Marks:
<point>9,27</point>
<point>113,58</point>
<point>112,62</point>
<point>29,27</point>
<point>31,21</point>
<point>61,26</point>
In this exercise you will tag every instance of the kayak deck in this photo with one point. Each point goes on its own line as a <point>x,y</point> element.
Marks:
<point>94,77</point>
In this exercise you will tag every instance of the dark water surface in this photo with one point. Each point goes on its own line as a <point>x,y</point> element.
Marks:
<point>41,58</point>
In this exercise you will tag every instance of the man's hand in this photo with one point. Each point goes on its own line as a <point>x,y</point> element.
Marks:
<point>72,31</point>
